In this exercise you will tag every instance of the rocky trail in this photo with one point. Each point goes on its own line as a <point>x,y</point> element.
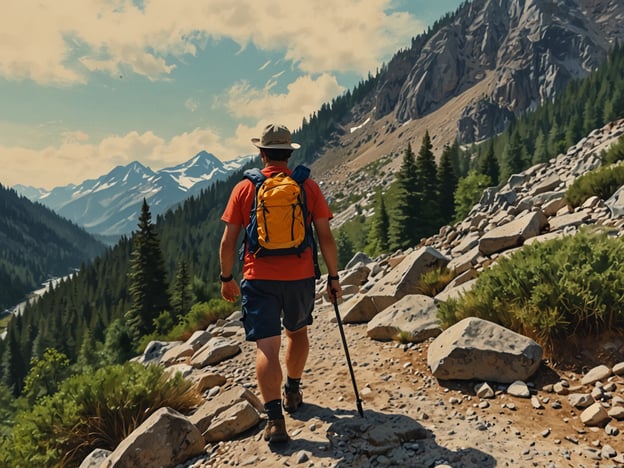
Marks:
<point>410,418</point>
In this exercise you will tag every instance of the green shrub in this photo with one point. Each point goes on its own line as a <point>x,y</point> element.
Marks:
<point>615,152</point>
<point>200,316</point>
<point>434,281</point>
<point>468,193</point>
<point>90,411</point>
<point>573,286</point>
<point>602,182</point>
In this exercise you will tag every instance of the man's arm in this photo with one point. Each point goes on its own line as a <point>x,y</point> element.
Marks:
<point>227,255</point>
<point>330,254</point>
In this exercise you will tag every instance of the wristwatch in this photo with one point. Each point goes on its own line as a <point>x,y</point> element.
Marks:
<point>226,279</point>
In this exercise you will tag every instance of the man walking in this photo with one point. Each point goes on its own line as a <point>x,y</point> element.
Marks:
<point>277,289</point>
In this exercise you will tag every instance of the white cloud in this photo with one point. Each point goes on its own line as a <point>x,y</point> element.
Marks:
<point>75,160</point>
<point>191,104</point>
<point>303,97</point>
<point>76,136</point>
<point>59,42</point>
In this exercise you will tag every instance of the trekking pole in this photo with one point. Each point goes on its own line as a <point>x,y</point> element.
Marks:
<point>358,401</point>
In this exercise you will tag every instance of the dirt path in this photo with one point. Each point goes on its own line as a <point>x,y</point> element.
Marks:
<point>411,419</point>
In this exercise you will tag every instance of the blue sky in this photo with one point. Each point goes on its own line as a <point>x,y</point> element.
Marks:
<point>86,85</point>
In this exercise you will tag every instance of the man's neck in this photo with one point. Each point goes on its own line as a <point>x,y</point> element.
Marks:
<point>280,164</point>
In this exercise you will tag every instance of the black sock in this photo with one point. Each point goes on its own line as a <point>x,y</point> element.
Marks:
<point>273,409</point>
<point>292,385</point>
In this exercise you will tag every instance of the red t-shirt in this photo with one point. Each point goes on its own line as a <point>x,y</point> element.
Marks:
<point>281,267</point>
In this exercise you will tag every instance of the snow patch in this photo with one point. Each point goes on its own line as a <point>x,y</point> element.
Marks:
<point>354,129</point>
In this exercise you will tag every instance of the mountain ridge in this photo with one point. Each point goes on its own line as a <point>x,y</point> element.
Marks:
<point>110,204</point>
<point>35,244</point>
<point>488,63</point>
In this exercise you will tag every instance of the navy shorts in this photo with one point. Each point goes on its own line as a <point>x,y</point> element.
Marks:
<point>266,302</point>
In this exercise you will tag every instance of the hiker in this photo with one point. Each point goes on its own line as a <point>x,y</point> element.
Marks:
<point>277,287</point>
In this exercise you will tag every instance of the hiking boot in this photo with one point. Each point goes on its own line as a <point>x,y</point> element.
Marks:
<point>292,400</point>
<point>275,431</point>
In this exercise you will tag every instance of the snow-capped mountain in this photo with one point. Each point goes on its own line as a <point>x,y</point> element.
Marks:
<point>110,205</point>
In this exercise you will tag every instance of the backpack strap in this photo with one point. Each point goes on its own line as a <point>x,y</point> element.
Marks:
<point>300,173</point>
<point>255,175</point>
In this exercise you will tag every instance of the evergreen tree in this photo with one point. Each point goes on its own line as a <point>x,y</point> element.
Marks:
<point>556,141</point>
<point>540,154</point>
<point>427,190</point>
<point>345,249</point>
<point>378,234</point>
<point>514,160</point>
<point>404,217</point>
<point>88,358</point>
<point>447,184</point>
<point>182,296</point>
<point>14,366</point>
<point>119,344</point>
<point>147,278</point>
<point>489,165</point>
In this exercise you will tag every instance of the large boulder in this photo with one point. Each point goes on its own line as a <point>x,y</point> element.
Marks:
<point>512,234</point>
<point>165,439</point>
<point>402,280</point>
<point>233,421</point>
<point>217,349</point>
<point>414,316</point>
<point>475,349</point>
<point>210,411</point>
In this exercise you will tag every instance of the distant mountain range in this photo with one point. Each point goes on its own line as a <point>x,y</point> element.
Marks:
<point>36,244</point>
<point>110,205</point>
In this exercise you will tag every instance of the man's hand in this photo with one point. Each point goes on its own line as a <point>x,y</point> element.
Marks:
<point>334,291</point>
<point>230,291</point>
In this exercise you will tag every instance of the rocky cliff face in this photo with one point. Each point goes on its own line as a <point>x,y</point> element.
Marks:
<point>524,51</point>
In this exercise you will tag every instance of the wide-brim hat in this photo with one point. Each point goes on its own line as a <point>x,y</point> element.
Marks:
<point>275,136</point>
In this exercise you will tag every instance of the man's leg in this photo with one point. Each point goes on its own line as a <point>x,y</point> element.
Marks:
<point>297,349</point>
<point>269,375</point>
<point>268,368</point>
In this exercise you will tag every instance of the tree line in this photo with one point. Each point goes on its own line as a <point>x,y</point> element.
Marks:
<point>36,243</point>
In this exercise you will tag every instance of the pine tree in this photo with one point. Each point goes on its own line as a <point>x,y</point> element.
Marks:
<point>427,190</point>
<point>378,234</point>
<point>403,217</point>
<point>489,165</point>
<point>514,159</point>
<point>540,154</point>
<point>147,278</point>
<point>14,366</point>
<point>181,297</point>
<point>345,249</point>
<point>447,184</point>
<point>88,358</point>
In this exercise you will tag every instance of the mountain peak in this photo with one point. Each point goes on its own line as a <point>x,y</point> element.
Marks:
<point>110,204</point>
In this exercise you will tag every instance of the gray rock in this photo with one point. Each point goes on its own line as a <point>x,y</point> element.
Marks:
<point>209,410</point>
<point>519,389</point>
<point>233,421</point>
<point>414,315</point>
<point>165,439</point>
<point>512,234</point>
<point>580,400</point>
<point>475,349</point>
<point>95,458</point>
<point>216,350</point>
<point>601,372</point>
<point>595,415</point>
